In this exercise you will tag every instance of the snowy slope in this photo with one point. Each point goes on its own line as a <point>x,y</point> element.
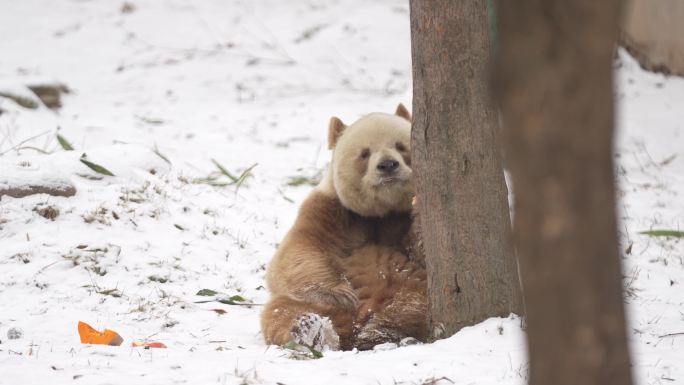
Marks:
<point>244,83</point>
<point>650,169</point>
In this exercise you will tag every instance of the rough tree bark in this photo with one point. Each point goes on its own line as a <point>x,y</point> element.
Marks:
<point>554,77</point>
<point>462,195</point>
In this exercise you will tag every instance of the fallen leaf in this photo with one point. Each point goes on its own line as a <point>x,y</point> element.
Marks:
<point>207,292</point>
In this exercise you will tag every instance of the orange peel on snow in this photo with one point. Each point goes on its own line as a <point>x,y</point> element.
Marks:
<point>148,345</point>
<point>91,336</point>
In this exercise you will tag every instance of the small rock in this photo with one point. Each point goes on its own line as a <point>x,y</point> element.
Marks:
<point>36,175</point>
<point>170,323</point>
<point>15,333</point>
<point>127,7</point>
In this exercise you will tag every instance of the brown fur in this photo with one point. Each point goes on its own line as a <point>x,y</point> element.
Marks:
<point>391,290</point>
<point>351,264</point>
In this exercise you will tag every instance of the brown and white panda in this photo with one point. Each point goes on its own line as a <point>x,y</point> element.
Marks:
<point>342,277</point>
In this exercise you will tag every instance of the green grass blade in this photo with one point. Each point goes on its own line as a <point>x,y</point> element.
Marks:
<point>64,143</point>
<point>245,174</point>
<point>148,120</point>
<point>159,154</point>
<point>302,348</point>
<point>95,167</point>
<point>299,180</point>
<point>233,300</point>
<point>663,233</point>
<point>225,171</point>
<point>207,292</point>
<point>20,100</point>
<point>316,354</point>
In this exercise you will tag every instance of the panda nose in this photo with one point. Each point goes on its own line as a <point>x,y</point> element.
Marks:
<point>388,165</point>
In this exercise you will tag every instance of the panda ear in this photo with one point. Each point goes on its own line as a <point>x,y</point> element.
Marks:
<point>335,129</point>
<point>403,112</point>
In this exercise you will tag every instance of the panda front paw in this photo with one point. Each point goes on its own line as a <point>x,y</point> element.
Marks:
<point>315,332</point>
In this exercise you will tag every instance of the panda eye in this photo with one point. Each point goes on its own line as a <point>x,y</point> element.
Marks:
<point>365,153</point>
<point>400,146</point>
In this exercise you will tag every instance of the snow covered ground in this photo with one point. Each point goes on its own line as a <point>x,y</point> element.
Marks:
<point>245,83</point>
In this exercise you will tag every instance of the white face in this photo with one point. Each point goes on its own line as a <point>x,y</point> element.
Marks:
<point>372,165</point>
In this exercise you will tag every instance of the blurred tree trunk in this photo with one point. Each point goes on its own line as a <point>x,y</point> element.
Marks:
<point>462,195</point>
<point>652,32</point>
<point>554,77</point>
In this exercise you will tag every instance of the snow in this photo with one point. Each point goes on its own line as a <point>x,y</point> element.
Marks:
<point>244,83</point>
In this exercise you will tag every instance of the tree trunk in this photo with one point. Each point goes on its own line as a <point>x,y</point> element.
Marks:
<point>462,195</point>
<point>555,86</point>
